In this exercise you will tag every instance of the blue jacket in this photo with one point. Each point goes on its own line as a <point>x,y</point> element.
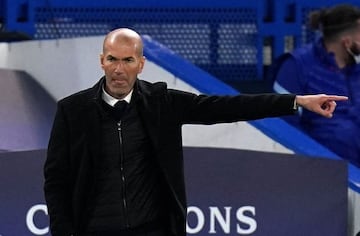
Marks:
<point>312,70</point>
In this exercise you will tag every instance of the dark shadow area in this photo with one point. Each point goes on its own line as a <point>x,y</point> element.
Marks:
<point>27,112</point>
<point>13,36</point>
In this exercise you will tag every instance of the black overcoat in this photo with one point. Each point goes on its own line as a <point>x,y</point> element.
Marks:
<point>75,143</point>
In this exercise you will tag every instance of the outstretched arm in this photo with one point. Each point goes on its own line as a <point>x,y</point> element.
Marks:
<point>322,104</point>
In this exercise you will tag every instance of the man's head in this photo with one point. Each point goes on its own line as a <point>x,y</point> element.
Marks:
<point>339,24</point>
<point>122,60</point>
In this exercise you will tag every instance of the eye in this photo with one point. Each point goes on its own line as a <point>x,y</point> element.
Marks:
<point>128,60</point>
<point>111,58</point>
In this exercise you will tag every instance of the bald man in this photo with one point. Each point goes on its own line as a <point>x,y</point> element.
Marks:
<point>115,164</point>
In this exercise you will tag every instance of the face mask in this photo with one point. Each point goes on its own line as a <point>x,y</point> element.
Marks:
<point>355,52</point>
<point>356,58</point>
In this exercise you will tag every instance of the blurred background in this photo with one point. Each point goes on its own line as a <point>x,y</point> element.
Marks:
<point>50,49</point>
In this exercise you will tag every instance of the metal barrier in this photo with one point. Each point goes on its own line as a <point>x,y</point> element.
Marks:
<point>233,40</point>
<point>224,38</point>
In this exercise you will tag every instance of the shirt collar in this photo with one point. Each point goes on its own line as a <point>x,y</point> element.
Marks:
<point>111,100</point>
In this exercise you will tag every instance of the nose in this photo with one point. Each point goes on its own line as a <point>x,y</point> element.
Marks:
<point>119,67</point>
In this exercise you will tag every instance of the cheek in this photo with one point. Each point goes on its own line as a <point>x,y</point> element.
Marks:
<point>107,68</point>
<point>104,66</point>
<point>134,69</point>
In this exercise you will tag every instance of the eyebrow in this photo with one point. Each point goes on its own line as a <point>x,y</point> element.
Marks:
<point>128,58</point>
<point>111,56</point>
<point>125,58</point>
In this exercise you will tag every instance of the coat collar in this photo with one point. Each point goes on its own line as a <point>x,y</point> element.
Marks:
<point>147,99</point>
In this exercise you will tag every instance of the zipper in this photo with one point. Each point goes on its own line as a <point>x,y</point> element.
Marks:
<point>123,180</point>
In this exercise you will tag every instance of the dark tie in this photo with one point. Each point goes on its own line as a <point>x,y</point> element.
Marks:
<point>120,108</point>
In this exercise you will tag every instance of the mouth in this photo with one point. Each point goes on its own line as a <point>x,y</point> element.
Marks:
<point>118,81</point>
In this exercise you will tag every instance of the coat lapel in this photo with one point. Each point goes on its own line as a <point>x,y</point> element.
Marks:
<point>93,133</point>
<point>93,118</point>
<point>149,113</point>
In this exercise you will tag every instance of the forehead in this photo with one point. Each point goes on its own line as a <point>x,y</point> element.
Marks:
<point>121,50</point>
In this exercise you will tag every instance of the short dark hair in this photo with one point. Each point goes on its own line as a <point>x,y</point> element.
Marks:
<point>334,20</point>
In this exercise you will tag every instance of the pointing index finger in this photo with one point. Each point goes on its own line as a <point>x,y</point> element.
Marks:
<point>337,98</point>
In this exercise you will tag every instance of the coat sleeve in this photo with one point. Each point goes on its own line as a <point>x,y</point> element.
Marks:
<point>202,109</point>
<point>57,187</point>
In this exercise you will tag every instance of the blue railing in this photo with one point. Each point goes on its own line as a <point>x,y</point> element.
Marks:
<point>234,40</point>
<point>221,37</point>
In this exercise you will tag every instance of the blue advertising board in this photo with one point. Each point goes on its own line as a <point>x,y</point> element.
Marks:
<point>237,192</point>
<point>230,192</point>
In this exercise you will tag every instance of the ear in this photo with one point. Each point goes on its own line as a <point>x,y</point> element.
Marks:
<point>141,64</point>
<point>346,41</point>
<point>102,60</point>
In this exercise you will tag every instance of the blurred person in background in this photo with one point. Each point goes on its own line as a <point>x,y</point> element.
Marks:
<point>328,65</point>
